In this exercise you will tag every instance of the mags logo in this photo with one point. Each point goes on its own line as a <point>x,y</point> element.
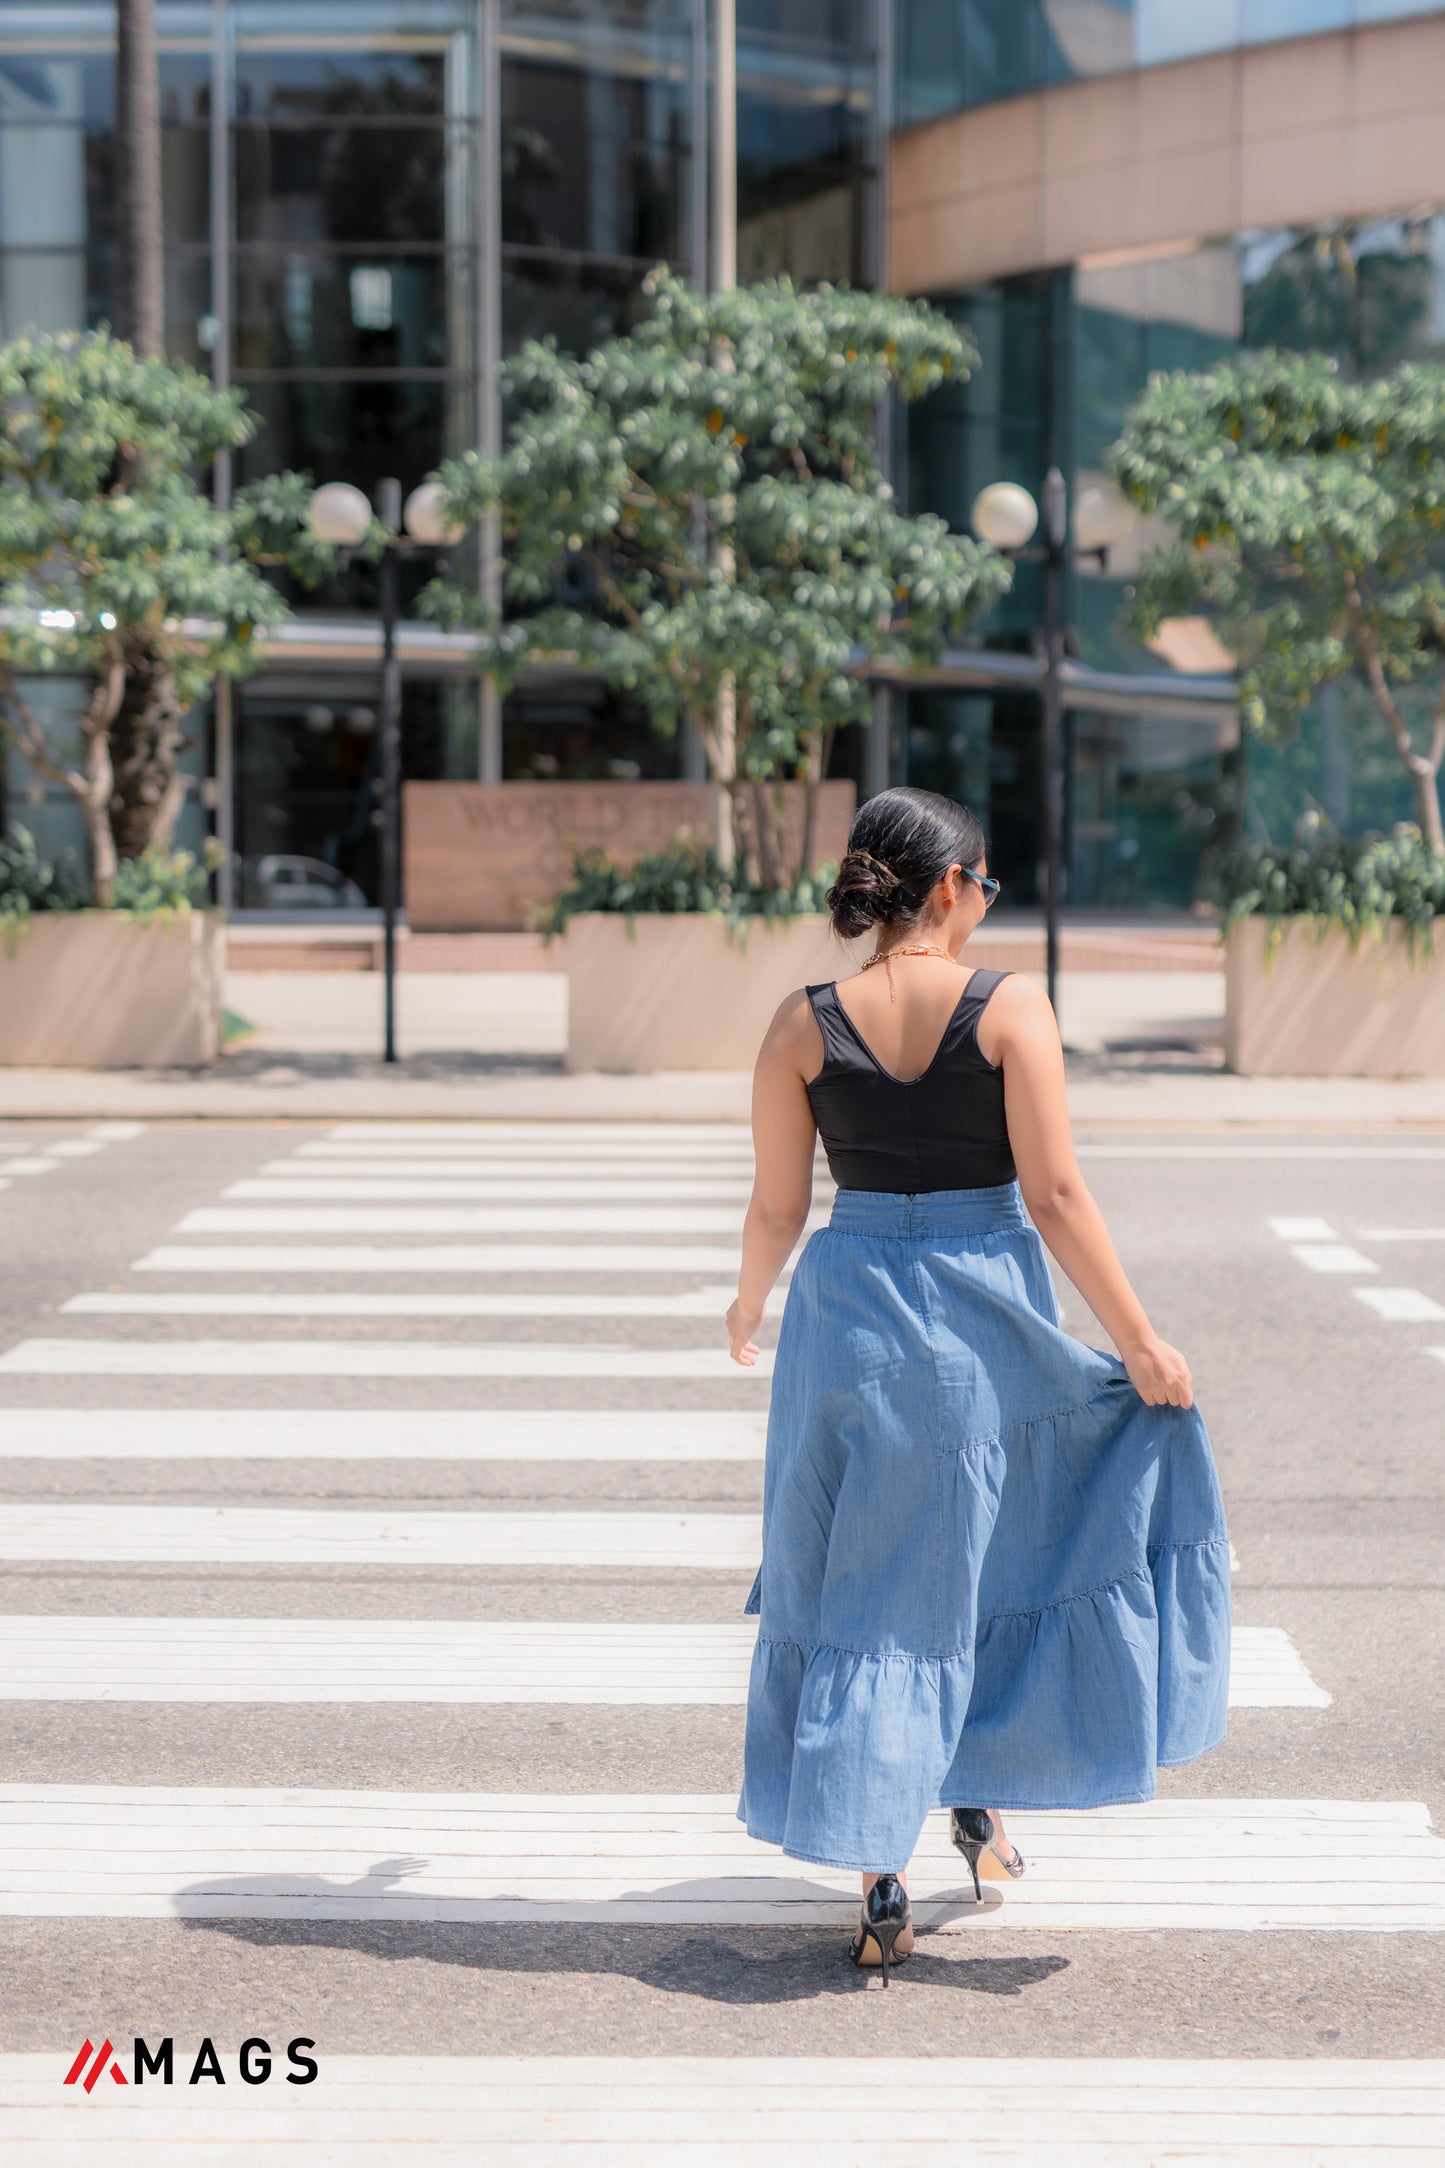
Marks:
<point>94,2068</point>
<point>253,2064</point>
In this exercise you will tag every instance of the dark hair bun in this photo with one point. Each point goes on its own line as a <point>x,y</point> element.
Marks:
<point>901,844</point>
<point>866,893</point>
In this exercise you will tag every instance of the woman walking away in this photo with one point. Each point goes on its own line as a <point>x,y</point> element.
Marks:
<point>994,1560</point>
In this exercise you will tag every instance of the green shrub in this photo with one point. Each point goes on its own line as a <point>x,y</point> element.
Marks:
<point>151,886</point>
<point>1359,885</point>
<point>683,877</point>
<point>28,884</point>
<point>163,881</point>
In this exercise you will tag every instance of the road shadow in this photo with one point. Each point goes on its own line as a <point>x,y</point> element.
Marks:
<point>736,1965</point>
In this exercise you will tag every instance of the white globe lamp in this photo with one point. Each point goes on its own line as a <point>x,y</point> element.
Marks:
<point>1004,515</point>
<point>425,516</point>
<point>339,513</point>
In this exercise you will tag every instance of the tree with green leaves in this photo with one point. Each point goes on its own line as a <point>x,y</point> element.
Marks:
<point>117,572</point>
<point>1308,518</point>
<point>697,512</point>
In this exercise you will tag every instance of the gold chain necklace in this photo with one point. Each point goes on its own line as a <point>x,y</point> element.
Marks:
<point>915,948</point>
<point>920,948</point>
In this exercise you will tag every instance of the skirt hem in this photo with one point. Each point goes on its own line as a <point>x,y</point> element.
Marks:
<point>1017,1804</point>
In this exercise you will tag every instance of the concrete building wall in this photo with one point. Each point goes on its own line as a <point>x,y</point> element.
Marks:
<point>1346,124</point>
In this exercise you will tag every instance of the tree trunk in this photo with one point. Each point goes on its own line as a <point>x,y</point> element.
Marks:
<point>140,262</point>
<point>765,838</point>
<point>1426,781</point>
<point>816,767</point>
<point>96,805</point>
<point>147,790</point>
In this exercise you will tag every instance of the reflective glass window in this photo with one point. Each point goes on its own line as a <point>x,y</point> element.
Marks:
<point>573,730</point>
<point>1147,794</point>
<point>1263,20</point>
<point>347,183</point>
<point>595,126</point>
<point>309,309</point>
<point>58,181</point>
<point>278,80</point>
<point>1377,11</point>
<point>596,160</point>
<point>804,138</point>
<point>307,770</point>
<point>355,429</point>
<point>1174,29</point>
<point>574,299</point>
<point>1371,291</point>
<point>354,286</point>
<point>1086,37</point>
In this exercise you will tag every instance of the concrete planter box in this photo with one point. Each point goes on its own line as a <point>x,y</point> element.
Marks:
<point>676,992</point>
<point>101,990</point>
<point>1320,1008</point>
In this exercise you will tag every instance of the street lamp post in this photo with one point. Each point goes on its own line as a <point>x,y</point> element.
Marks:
<point>1006,516</point>
<point>340,514</point>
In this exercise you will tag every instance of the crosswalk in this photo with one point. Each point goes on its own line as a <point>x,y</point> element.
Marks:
<point>469,1660</point>
<point>348,1358</point>
<point>506,1298</point>
<point>1315,1244</point>
<point>401,1434</point>
<point>644,1859</point>
<point>22,1165</point>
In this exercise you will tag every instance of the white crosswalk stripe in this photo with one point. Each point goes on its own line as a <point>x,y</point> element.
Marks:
<point>1332,1257</point>
<point>362,1359</point>
<point>261,1434</point>
<point>1314,1243</point>
<point>738,2111</point>
<point>1401,1305</point>
<point>448,1660</point>
<point>72,1851</point>
<point>513,1258</point>
<point>684,1138</point>
<point>298,1536</point>
<point>699,1302</point>
<point>467,1219</point>
<point>279,1181</point>
<point>24,1166</point>
<point>660,1150</point>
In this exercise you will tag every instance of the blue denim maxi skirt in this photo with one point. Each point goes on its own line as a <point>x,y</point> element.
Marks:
<point>992,1576</point>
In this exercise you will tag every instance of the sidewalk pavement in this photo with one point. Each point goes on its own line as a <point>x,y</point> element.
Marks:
<point>1145,1052</point>
<point>355,1090</point>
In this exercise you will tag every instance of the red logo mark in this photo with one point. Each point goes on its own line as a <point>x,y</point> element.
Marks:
<point>96,2067</point>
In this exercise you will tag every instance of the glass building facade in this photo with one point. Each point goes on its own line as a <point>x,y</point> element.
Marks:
<point>368,204</point>
<point>1064,353</point>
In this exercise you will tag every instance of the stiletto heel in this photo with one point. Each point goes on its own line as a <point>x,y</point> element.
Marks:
<point>974,1832</point>
<point>971,1829</point>
<point>886,1912</point>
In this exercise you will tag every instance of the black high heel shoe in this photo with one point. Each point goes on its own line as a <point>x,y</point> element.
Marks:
<point>886,1912</point>
<point>972,1830</point>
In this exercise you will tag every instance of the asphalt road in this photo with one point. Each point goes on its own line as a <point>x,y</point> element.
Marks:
<point>1328,1420</point>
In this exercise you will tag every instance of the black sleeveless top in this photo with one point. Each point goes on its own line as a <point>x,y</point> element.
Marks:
<point>942,1130</point>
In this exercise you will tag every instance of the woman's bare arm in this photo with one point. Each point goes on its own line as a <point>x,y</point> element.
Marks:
<point>1019,1030</point>
<point>783,1140</point>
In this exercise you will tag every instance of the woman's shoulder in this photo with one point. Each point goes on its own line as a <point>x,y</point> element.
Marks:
<point>1017,1013</point>
<point>1013,993</point>
<point>794,1028</point>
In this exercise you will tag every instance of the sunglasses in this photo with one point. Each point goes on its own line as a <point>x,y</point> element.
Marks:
<point>985,881</point>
